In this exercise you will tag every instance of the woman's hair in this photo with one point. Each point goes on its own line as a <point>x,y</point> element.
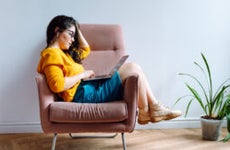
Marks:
<point>62,23</point>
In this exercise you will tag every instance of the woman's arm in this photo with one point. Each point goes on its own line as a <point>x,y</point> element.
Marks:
<point>83,42</point>
<point>58,83</point>
<point>84,47</point>
<point>71,81</point>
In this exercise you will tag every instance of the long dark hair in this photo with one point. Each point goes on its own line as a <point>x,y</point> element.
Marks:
<point>63,22</point>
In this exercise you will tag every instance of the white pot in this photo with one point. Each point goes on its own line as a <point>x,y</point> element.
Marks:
<point>211,129</point>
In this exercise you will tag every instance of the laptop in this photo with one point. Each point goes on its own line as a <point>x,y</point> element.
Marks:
<point>110,74</point>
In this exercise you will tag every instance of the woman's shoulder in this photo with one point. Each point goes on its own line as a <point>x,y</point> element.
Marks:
<point>49,56</point>
<point>52,54</point>
<point>51,50</point>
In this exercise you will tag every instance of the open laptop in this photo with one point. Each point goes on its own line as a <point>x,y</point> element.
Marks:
<point>110,74</point>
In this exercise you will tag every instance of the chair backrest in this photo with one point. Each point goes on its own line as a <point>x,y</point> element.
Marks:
<point>107,45</point>
<point>103,37</point>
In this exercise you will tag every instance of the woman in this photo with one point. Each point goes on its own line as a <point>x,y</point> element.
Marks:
<point>60,62</point>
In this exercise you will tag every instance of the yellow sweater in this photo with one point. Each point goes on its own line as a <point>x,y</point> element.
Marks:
<point>56,65</point>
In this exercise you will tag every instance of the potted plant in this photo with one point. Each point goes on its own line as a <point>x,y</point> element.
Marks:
<point>215,105</point>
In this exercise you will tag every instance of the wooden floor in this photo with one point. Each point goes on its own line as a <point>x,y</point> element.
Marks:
<point>165,139</point>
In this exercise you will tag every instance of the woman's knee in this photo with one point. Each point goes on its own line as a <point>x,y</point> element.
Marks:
<point>129,69</point>
<point>133,66</point>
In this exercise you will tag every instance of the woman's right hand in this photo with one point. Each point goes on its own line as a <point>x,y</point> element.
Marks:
<point>87,74</point>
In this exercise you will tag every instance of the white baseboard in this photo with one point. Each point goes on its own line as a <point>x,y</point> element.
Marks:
<point>35,127</point>
<point>20,127</point>
<point>175,124</point>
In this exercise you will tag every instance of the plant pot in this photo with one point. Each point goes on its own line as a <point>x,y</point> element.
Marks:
<point>211,129</point>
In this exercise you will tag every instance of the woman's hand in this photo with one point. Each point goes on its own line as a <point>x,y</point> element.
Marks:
<point>83,42</point>
<point>87,74</point>
<point>71,81</point>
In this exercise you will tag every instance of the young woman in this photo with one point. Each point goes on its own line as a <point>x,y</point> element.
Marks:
<point>60,62</point>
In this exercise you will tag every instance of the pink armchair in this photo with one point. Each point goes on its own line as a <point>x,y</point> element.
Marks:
<point>107,43</point>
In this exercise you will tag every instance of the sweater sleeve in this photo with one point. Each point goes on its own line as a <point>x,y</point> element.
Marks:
<point>84,52</point>
<point>55,78</point>
<point>51,65</point>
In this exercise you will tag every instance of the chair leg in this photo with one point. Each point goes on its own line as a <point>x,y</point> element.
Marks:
<point>123,141</point>
<point>54,141</point>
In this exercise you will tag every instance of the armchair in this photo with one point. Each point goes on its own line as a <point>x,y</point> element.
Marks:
<point>106,42</point>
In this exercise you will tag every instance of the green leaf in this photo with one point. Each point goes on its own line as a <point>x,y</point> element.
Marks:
<point>220,87</point>
<point>197,96</point>
<point>188,106</point>
<point>227,137</point>
<point>199,83</point>
<point>219,96</point>
<point>180,98</point>
<point>209,75</point>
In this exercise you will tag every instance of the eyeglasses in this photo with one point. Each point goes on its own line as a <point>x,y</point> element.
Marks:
<point>71,33</point>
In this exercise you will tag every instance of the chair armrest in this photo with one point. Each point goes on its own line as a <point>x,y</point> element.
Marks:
<point>131,98</point>
<point>46,97</point>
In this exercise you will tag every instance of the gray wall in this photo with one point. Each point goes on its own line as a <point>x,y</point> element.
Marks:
<point>163,36</point>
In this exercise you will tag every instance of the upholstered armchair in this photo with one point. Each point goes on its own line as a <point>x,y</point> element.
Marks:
<point>57,117</point>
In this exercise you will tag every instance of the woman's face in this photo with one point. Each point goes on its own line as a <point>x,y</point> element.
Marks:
<point>66,38</point>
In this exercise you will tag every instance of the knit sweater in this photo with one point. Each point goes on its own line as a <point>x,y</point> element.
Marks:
<point>56,65</point>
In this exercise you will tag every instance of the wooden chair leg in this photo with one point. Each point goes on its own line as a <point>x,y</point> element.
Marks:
<point>54,141</point>
<point>123,141</point>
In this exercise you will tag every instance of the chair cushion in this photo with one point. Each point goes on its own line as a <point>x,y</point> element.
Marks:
<point>67,112</point>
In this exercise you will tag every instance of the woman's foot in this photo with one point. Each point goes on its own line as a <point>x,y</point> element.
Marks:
<point>143,116</point>
<point>159,112</point>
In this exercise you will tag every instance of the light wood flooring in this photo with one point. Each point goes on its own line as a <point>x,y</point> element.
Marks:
<point>164,139</point>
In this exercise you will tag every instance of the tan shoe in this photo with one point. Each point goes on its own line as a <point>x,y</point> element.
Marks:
<point>143,116</point>
<point>159,112</point>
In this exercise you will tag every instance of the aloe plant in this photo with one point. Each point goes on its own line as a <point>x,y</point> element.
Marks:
<point>215,105</point>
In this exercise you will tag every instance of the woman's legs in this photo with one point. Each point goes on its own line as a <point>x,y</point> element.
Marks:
<point>144,90</point>
<point>149,107</point>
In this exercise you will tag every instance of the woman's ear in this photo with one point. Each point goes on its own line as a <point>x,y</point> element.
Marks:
<point>56,30</point>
